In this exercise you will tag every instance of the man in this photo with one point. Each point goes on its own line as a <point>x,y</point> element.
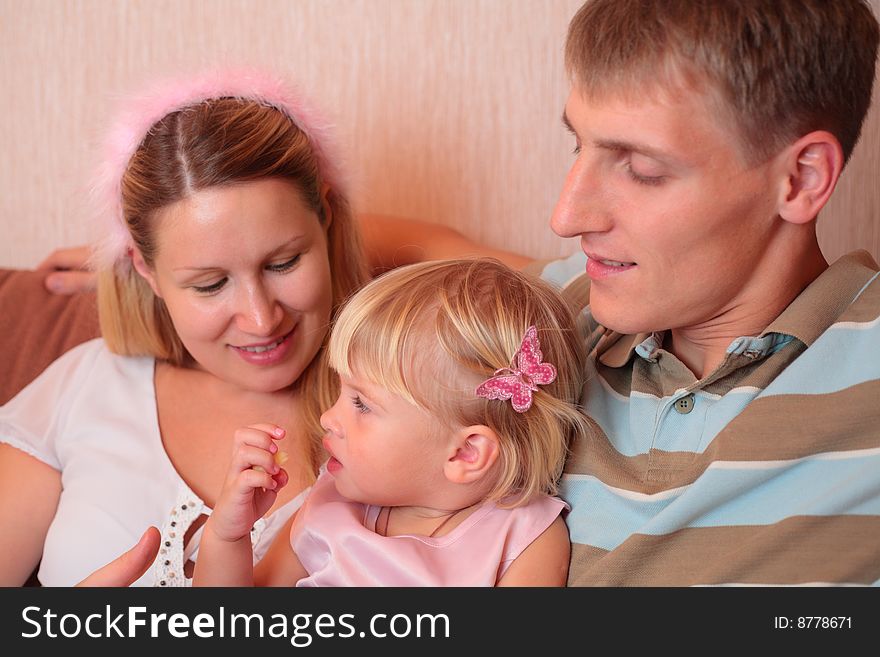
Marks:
<point>734,374</point>
<point>736,382</point>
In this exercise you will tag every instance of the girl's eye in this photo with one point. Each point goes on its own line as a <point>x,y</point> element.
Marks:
<point>212,288</point>
<point>577,148</point>
<point>287,265</point>
<point>359,404</point>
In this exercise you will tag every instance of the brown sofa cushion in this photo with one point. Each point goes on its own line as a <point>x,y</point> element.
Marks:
<point>38,327</point>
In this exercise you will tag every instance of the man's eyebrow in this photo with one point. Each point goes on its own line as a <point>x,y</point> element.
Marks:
<point>617,145</point>
<point>624,146</point>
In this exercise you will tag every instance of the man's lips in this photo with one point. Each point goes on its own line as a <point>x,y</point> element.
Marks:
<point>608,261</point>
<point>600,266</point>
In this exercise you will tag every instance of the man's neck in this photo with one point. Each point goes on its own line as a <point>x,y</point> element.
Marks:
<point>703,347</point>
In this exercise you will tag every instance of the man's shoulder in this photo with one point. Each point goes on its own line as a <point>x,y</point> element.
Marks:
<point>865,306</point>
<point>848,296</point>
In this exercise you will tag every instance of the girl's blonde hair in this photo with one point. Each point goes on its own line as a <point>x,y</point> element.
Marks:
<point>432,332</point>
<point>216,142</point>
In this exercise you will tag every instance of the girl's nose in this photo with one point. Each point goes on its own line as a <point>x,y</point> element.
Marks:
<point>328,421</point>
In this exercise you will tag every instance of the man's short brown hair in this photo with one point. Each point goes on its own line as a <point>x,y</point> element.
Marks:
<point>779,68</point>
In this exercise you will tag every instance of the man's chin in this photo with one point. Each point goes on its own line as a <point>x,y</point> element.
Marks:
<point>616,318</point>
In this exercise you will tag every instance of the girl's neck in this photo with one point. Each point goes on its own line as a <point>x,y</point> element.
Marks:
<point>420,521</point>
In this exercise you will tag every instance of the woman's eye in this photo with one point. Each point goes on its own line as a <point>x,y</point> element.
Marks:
<point>287,265</point>
<point>210,289</point>
<point>359,404</point>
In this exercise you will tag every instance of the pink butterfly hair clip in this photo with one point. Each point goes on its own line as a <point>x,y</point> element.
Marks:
<point>518,382</point>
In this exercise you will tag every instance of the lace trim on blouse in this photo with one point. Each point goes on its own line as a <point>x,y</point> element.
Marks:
<point>168,569</point>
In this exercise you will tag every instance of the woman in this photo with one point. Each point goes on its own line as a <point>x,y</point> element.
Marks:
<point>229,245</point>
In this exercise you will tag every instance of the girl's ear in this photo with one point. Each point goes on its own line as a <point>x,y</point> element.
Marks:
<point>325,207</point>
<point>474,452</point>
<point>811,169</point>
<point>141,267</point>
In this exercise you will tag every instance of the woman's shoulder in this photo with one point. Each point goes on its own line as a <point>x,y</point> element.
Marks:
<point>93,359</point>
<point>88,372</point>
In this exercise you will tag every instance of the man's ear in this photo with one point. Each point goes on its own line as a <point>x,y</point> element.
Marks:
<point>811,169</point>
<point>474,452</point>
<point>325,207</point>
<point>141,267</point>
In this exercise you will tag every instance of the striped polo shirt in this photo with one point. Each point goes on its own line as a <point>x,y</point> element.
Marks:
<point>767,471</point>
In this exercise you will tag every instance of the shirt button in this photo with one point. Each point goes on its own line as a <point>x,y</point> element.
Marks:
<point>685,404</point>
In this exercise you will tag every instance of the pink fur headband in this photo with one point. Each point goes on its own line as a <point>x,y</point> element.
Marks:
<point>142,111</point>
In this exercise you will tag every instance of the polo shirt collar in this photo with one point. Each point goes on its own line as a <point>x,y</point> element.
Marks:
<point>810,314</point>
<point>825,299</point>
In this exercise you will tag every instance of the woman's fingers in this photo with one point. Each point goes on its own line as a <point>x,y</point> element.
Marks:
<point>128,567</point>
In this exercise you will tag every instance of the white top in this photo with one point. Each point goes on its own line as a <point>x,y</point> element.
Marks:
<point>92,416</point>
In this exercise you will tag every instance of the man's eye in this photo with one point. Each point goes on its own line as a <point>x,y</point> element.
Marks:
<point>643,170</point>
<point>643,180</point>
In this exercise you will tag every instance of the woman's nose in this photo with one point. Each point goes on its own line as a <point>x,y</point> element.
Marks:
<point>259,312</point>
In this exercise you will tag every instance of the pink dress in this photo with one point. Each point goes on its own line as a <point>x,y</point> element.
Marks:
<point>336,542</point>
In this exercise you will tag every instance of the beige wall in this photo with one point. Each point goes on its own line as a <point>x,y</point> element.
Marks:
<point>449,108</point>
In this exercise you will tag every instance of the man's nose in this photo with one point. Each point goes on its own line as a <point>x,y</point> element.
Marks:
<point>578,209</point>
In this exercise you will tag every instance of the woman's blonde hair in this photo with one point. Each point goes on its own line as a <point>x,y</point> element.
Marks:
<point>216,142</point>
<point>432,332</point>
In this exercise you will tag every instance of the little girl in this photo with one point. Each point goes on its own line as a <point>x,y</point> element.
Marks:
<point>459,384</point>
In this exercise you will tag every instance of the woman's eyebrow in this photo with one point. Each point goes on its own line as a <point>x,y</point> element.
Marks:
<point>286,245</point>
